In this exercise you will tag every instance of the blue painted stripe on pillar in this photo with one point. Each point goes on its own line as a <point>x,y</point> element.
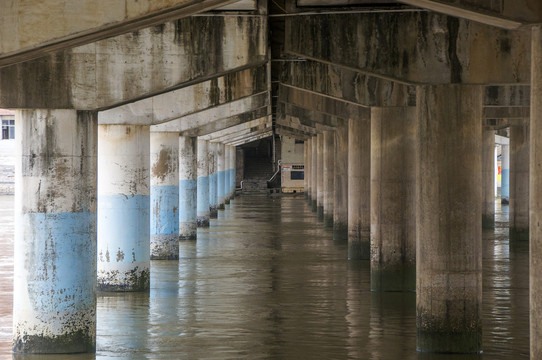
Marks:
<point>203,196</point>
<point>164,210</point>
<point>62,271</point>
<point>187,200</point>
<point>505,182</point>
<point>124,223</point>
<point>220,187</point>
<point>212,189</point>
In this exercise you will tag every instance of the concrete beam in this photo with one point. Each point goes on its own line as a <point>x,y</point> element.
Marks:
<point>235,129</point>
<point>295,123</point>
<point>506,14</point>
<point>137,65</point>
<point>309,117</point>
<point>36,28</point>
<point>413,47</point>
<point>508,112</point>
<point>295,133</point>
<point>214,126</point>
<point>242,133</point>
<point>212,114</point>
<point>252,138</point>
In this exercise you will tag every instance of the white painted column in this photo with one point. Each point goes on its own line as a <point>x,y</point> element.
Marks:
<point>227,179</point>
<point>213,179</point>
<point>203,184</point>
<point>123,207</point>
<point>220,184</point>
<point>54,294</point>
<point>187,188</point>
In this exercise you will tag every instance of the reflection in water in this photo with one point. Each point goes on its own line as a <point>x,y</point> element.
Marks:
<point>267,281</point>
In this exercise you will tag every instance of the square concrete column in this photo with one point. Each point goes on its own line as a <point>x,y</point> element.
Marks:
<point>449,213</point>
<point>340,201</point>
<point>505,174</point>
<point>54,293</point>
<point>393,210</point>
<point>488,178</point>
<point>226,184</point>
<point>320,176</point>
<point>221,177</point>
<point>233,165</point>
<point>359,167</point>
<point>329,177</point>
<point>213,179</point>
<point>164,195</point>
<point>306,169</point>
<point>203,184</point>
<point>123,207</point>
<point>314,173</point>
<point>188,190</point>
<point>519,180</point>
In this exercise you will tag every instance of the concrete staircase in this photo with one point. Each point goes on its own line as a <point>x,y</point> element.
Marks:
<point>257,171</point>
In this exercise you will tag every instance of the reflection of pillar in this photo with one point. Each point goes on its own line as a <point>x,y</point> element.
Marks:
<point>187,188</point>
<point>203,184</point>
<point>320,176</point>
<point>448,229</point>
<point>393,184</point>
<point>340,202</point>
<point>164,195</point>
<point>329,176</point>
<point>519,181</point>
<point>213,179</point>
<point>488,178</point>
<point>505,174</point>
<point>123,208</point>
<point>359,165</point>
<point>535,194</point>
<point>314,173</point>
<point>54,294</point>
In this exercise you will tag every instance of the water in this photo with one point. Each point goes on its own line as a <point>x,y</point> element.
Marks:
<point>266,281</point>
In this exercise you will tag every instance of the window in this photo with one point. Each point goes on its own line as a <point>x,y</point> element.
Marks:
<point>8,129</point>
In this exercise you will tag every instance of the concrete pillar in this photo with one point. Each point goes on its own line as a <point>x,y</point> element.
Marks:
<point>202,186</point>
<point>188,187</point>
<point>320,176</point>
<point>54,293</point>
<point>213,179</point>
<point>359,165</point>
<point>233,163</point>
<point>505,174</point>
<point>488,178</point>
<point>307,169</point>
<point>164,195</point>
<point>535,195</point>
<point>226,183</point>
<point>519,181</point>
<point>393,184</point>
<point>449,212</point>
<point>123,207</point>
<point>220,184</point>
<point>340,202</point>
<point>329,177</point>
<point>314,173</point>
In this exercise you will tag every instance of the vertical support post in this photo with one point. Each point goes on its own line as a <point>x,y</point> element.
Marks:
<point>505,174</point>
<point>519,181</point>
<point>314,173</point>
<point>329,177</point>
<point>449,212</point>
<point>202,186</point>
<point>233,164</point>
<point>340,202</point>
<point>359,168</point>
<point>307,170</point>
<point>393,184</point>
<point>220,185</point>
<point>164,195</point>
<point>213,179</point>
<point>320,177</point>
<point>488,178</point>
<point>226,190</point>
<point>188,188</point>
<point>123,208</point>
<point>54,293</point>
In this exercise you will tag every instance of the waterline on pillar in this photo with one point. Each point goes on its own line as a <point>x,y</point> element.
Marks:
<point>164,222</point>
<point>187,210</point>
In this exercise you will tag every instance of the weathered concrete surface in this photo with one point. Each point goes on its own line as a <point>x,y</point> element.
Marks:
<point>329,177</point>
<point>164,195</point>
<point>320,176</point>
<point>213,179</point>
<point>227,178</point>
<point>221,167</point>
<point>505,174</point>
<point>307,117</point>
<point>307,151</point>
<point>140,64</point>
<point>252,137</point>
<point>54,304</point>
<point>314,173</point>
<point>203,184</point>
<point>449,211</point>
<point>412,47</point>
<point>519,180</point>
<point>340,200</point>
<point>359,168</point>
<point>535,197</point>
<point>232,130</point>
<point>294,123</point>
<point>123,208</point>
<point>488,178</point>
<point>36,28</point>
<point>188,175</point>
<point>346,84</point>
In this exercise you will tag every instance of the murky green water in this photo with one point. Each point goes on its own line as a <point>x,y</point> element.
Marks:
<point>266,281</point>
